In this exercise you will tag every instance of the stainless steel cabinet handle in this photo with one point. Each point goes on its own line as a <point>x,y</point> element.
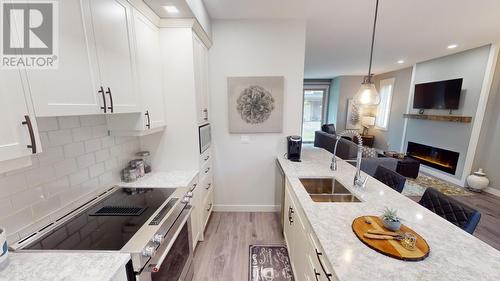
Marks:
<point>209,207</point>
<point>27,122</point>
<point>208,169</point>
<point>206,158</point>
<point>110,99</point>
<point>208,186</point>
<point>319,255</point>
<point>104,107</point>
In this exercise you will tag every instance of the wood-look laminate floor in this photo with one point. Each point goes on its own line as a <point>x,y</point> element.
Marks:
<point>223,256</point>
<point>488,229</point>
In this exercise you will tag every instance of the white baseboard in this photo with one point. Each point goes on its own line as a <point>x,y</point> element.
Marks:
<point>493,191</point>
<point>246,208</point>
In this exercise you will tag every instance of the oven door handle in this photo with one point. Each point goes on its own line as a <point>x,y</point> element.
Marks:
<point>154,266</point>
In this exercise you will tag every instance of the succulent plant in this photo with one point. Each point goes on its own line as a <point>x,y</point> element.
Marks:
<point>390,215</point>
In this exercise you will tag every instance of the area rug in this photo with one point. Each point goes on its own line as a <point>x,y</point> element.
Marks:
<point>270,263</point>
<point>416,187</point>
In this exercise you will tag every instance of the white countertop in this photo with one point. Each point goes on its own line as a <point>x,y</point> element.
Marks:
<point>48,266</point>
<point>454,254</point>
<point>171,179</point>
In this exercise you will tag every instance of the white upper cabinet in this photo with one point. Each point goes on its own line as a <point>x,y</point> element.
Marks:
<point>147,40</point>
<point>72,88</point>
<point>112,21</point>
<point>151,119</point>
<point>201,79</point>
<point>19,133</point>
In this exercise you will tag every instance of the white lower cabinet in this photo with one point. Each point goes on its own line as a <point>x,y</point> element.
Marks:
<point>19,136</point>
<point>203,199</point>
<point>306,255</point>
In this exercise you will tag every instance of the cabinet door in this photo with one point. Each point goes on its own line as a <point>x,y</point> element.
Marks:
<point>147,43</point>
<point>15,137</point>
<point>201,81</point>
<point>112,21</point>
<point>71,89</point>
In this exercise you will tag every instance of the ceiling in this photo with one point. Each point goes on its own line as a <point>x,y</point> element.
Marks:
<point>158,7</point>
<point>339,31</point>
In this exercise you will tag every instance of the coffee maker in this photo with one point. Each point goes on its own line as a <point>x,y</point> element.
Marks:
<point>293,148</point>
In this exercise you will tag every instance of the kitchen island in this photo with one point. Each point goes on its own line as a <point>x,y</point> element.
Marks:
<point>454,254</point>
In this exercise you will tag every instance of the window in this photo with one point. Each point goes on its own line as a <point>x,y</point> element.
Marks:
<point>314,112</point>
<point>384,108</point>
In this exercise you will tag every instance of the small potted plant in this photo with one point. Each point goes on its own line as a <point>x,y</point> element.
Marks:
<point>391,220</point>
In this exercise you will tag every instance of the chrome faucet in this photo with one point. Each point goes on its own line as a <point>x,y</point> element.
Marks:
<point>358,180</point>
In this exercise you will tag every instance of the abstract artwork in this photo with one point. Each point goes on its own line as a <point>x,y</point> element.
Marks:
<point>353,120</point>
<point>270,263</point>
<point>255,104</point>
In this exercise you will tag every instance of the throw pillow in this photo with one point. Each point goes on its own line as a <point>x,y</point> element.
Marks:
<point>369,152</point>
<point>328,128</point>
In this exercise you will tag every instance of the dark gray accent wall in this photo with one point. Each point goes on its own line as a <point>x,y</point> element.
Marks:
<point>391,138</point>
<point>469,65</point>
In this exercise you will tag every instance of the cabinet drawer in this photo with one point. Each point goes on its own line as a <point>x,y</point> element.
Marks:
<point>205,157</point>
<point>208,207</point>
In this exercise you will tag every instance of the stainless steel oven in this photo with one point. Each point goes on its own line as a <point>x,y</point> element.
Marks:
<point>205,135</point>
<point>173,260</point>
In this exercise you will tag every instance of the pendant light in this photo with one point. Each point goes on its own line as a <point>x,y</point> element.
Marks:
<point>367,94</point>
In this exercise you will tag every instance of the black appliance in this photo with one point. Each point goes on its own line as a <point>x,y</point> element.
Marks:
<point>438,95</point>
<point>293,148</point>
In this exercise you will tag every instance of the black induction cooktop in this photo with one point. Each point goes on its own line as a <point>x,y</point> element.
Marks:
<point>108,224</point>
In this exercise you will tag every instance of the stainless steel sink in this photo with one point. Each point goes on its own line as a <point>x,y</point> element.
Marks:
<point>327,190</point>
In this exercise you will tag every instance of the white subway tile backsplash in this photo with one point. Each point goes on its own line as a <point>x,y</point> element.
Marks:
<point>55,187</point>
<point>78,177</point>
<point>17,221</point>
<point>40,175</point>
<point>11,184</point>
<point>69,122</point>
<point>92,120</point>
<point>74,149</point>
<point>78,161</point>
<point>82,134</point>
<point>51,155</point>
<point>85,160</point>
<point>96,170</point>
<point>47,124</point>
<point>102,155</point>
<point>45,207</point>
<point>92,145</point>
<point>60,137</point>
<point>27,197</point>
<point>100,131</point>
<point>65,167</point>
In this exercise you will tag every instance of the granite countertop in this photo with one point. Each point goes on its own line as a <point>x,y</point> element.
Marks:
<point>171,179</point>
<point>48,266</point>
<point>454,254</point>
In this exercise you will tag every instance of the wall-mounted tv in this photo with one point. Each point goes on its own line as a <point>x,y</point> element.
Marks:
<point>438,95</point>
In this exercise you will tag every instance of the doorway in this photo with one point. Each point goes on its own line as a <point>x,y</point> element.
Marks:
<point>315,108</point>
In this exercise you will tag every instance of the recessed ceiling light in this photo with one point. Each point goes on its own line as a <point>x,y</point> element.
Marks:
<point>401,61</point>
<point>452,46</point>
<point>171,9</point>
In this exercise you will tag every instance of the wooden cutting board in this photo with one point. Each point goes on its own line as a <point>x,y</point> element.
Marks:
<point>391,248</point>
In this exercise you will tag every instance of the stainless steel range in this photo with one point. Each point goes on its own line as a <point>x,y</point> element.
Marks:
<point>153,225</point>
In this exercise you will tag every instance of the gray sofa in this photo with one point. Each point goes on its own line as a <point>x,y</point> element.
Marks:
<point>347,150</point>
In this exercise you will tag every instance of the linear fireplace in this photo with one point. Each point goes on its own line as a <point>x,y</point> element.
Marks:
<point>441,159</point>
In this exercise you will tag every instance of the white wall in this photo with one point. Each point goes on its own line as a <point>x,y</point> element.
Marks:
<point>79,159</point>
<point>244,172</point>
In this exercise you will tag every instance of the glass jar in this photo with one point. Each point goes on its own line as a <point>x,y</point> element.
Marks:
<point>139,165</point>
<point>129,174</point>
<point>146,158</point>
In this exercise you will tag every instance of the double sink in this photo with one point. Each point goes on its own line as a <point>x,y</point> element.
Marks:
<point>327,190</point>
